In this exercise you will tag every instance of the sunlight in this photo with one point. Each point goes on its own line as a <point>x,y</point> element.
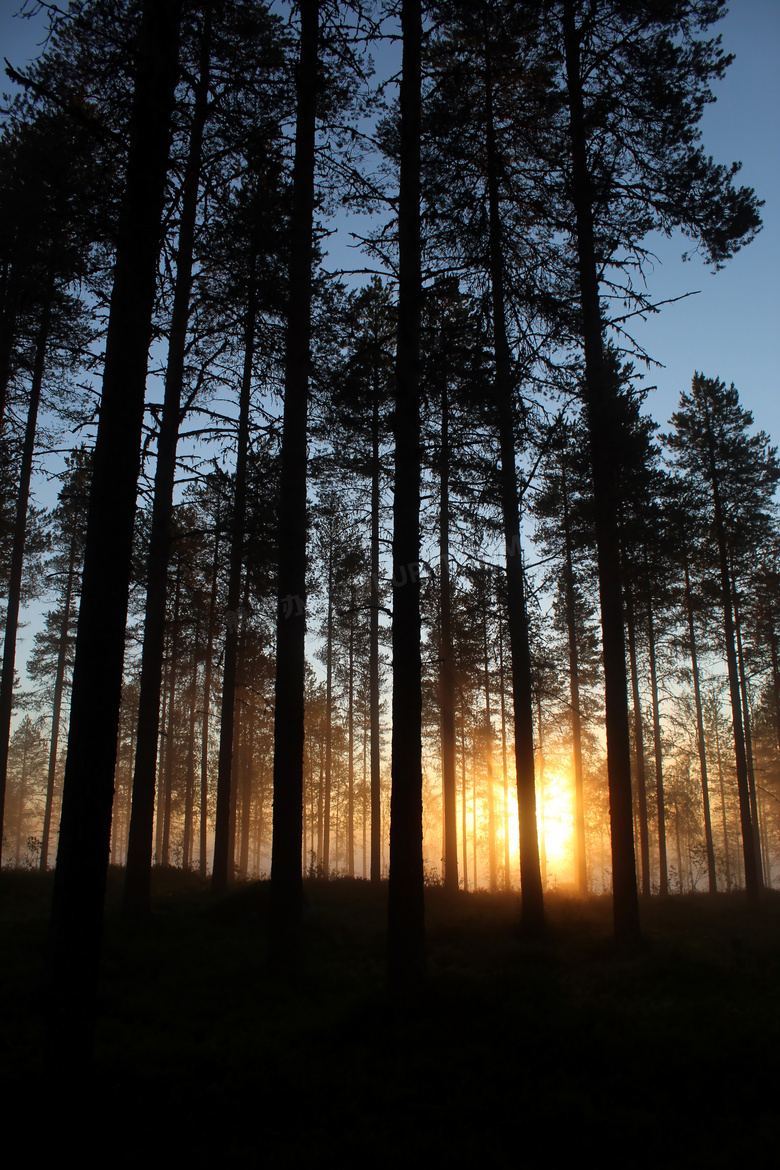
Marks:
<point>556,830</point>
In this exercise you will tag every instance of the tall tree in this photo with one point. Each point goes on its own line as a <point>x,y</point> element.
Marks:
<point>69,518</point>
<point>79,888</point>
<point>286,877</point>
<point>406,904</point>
<point>736,473</point>
<point>139,849</point>
<point>633,164</point>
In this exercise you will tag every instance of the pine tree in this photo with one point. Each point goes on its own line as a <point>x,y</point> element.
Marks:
<point>77,909</point>
<point>632,164</point>
<point>735,473</point>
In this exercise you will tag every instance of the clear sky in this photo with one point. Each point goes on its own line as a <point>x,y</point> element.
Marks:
<point>731,329</point>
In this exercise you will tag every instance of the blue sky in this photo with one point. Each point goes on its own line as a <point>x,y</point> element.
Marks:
<point>731,329</point>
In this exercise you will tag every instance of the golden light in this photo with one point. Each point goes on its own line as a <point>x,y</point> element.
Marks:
<point>556,827</point>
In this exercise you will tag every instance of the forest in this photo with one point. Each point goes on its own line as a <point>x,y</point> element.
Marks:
<point>376,598</point>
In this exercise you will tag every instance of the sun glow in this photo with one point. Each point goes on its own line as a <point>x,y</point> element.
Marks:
<point>487,827</point>
<point>556,828</point>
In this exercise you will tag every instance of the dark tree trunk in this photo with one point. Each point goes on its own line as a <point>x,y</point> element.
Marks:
<point>723,817</point>
<point>446,660</point>
<point>542,839</point>
<point>574,693</point>
<point>373,663</point>
<point>663,875</point>
<point>22,798</point>
<point>701,742</point>
<point>189,779</point>
<point>204,730</point>
<point>170,749</point>
<point>601,414</point>
<point>164,748</point>
<point>246,791</point>
<point>286,877</point>
<point>746,719</point>
<point>238,760</point>
<point>530,872</point>
<point>406,904</point>
<point>222,870</point>
<point>351,747</point>
<point>492,859</point>
<point>639,749</point>
<point>137,892</point>
<point>328,714</point>
<point>464,803</point>
<point>772,634</point>
<point>59,688</point>
<point>85,827</point>
<point>752,875</point>
<point>504,769</point>
<point>7,337</point>
<point>17,550</point>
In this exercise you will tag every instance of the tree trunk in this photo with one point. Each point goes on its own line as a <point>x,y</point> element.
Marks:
<point>170,750</point>
<point>406,905</point>
<point>504,770</point>
<point>222,869</point>
<point>59,688</point>
<point>137,892</point>
<point>530,872</point>
<point>238,759</point>
<point>17,551</point>
<point>85,828</point>
<point>663,876</point>
<point>701,742</point>
<point>164,747</point>
<point>492,859</point>
<point>22,797</point>
<point>574,694</point>
<point>743,690</point>
<point>542,838</point>
<point>752,876</point>
<point>7,337</point>
<point>464,828</point>
<point>189,780</point>
<point>722,801</point>
<point>373,663</point>
<point>246,791</point>
<point>446,660</point>
<point>601,414</point>
<point>286,879</point>
<point>351,747</point>
<point>204,731</point>
<point>775,673</point>
<point>639,749</point>
<point>328,713</point>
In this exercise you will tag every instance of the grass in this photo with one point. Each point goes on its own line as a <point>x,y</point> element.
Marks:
<point>664,1053</point>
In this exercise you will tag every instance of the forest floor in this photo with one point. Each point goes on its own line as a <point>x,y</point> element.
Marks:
<point>664,1053</point>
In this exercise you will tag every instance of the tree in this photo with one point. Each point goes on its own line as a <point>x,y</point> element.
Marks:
<point>79,887</point>
<point>494,66</point>
<point>357,423</point>
<point>286,878</point>
<point>54,648</point>
<point>54,160</point>
<point>139,851</point>
<point>406,904</point>
<point>736,474</point>
<point>633,165</point>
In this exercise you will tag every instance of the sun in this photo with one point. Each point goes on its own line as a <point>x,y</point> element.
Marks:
<point>556,827</point>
